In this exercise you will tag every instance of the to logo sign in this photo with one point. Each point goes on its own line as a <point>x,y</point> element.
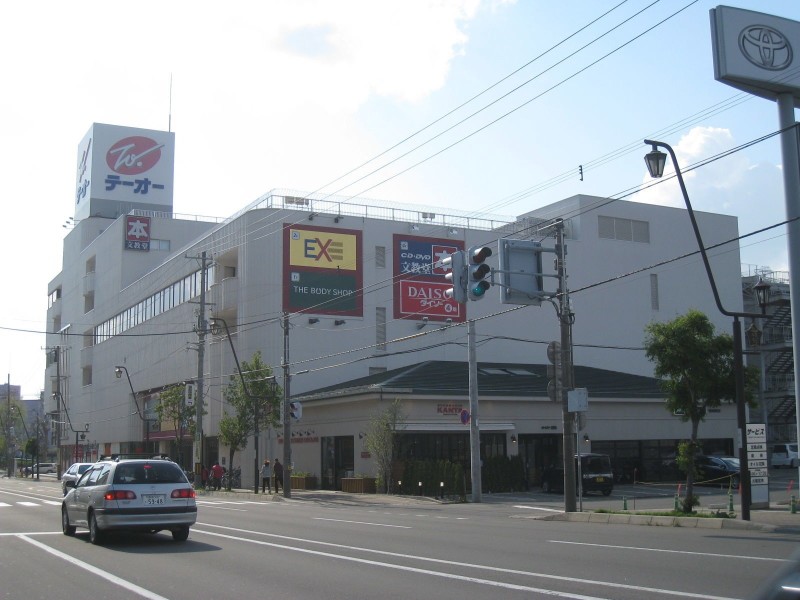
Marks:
<point>765,47</point>
<point>133,155</point>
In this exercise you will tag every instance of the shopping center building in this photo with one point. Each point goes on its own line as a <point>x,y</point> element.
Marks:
<point>350,292</point>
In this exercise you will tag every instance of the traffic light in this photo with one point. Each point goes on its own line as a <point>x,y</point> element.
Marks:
<point>554,372</point>
<point>456,276</point>
<point>295,410</point>
<point>477,272</point>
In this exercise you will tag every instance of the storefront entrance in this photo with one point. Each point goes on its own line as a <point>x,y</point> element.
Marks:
<point>338,460</point>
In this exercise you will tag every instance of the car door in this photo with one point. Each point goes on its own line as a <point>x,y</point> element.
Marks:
<point>82,496</point>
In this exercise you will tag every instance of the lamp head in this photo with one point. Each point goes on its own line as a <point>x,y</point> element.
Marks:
<point>655,161</point>
<point>118,372</point>
<point>214,323</point>
<point>762,293</point>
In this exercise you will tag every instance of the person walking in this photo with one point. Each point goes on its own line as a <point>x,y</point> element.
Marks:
<point>216,476</point>
<point>278,469</point>
<point>265,476</point>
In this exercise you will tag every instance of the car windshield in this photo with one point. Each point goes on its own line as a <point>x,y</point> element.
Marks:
<point>792,447</point>
<point>149,473</point>
<point>82,468</point>
<point>731,462</point>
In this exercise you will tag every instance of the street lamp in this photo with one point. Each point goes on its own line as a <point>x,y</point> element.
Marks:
<point>118,371</point>
<point>655,161</point>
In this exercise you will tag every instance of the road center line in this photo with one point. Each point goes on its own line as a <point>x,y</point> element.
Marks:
<point>637,548</point>
<point>362,523</point>
<point>95,571</point>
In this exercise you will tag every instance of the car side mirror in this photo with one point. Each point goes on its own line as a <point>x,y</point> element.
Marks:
<point>69,484</point>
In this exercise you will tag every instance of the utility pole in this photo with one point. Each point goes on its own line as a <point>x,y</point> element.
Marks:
<point>8,426</point>
<point>287,418</point>
<point>566,319</point>
<point>474,425</point>
<point>198,400</point>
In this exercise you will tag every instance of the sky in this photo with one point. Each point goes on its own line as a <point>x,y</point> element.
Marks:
<point>484,106</point>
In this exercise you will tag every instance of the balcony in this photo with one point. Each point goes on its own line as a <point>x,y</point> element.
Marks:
<point>226,294</point>
<point>88,283</point>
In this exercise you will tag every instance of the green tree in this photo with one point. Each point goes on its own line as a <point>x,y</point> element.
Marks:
<point>381,439</point>
<point>696,369</point>
<point>256,403</point>
<point>172,411</point>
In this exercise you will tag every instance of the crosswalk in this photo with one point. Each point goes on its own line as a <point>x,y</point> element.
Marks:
<point>30,504</point>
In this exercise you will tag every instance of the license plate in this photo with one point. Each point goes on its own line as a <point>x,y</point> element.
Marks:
<point>600,479</point>
<point>152,499</point>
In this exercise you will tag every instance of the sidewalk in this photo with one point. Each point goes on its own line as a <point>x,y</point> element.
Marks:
<point>778,518</point>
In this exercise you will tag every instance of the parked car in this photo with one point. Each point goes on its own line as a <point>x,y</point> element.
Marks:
<point>717,470</point>
<point>73,474</point>
<point>42,468</point>
<point>150,495</point>
<point>785,455</point>
<point>596,475</point>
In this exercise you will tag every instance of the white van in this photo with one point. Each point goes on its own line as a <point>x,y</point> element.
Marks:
<point>785,455</point>
<point>41,468</point>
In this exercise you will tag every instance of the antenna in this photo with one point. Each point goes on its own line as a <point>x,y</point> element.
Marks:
<point>169,119</point>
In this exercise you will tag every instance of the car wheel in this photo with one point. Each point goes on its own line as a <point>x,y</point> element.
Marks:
<point>606,492</point>
<point>66,528</point>
<point>95,536</point>
<point>180,535</point>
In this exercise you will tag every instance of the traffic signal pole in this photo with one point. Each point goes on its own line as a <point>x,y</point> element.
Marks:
<point>474,425</point>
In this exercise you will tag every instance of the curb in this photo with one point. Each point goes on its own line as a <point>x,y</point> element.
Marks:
<point>657,521</point>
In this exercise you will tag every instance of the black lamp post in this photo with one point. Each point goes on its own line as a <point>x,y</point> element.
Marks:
<point>656,160</point>
<point>118,371</point>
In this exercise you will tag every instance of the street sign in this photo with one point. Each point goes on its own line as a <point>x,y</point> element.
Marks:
<point>757,464</point>
<point>758,473</point>
<point>758,481</point>
<point>756,456</point>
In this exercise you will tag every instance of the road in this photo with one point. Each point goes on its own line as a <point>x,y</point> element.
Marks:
<point>323,549</point>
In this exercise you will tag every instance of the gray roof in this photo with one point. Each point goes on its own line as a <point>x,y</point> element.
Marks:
<point>438,377</point>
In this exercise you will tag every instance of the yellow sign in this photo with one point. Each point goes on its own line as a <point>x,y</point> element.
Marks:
<point>322,249</point>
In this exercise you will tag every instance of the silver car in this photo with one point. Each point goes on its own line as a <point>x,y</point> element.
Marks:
<point>117,494</point>
<point>73,474</point>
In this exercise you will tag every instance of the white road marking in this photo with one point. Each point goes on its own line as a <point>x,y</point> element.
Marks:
<point>94,570</point>
<point>556,510</point>
<point>638,548</point>
<point>29,503</point>
<point>362,523</point>
<point>451,562</point>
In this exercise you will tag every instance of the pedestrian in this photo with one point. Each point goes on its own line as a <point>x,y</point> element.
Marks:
<point>216,475</point>
<point>278,469</point>
<point>265,476</point>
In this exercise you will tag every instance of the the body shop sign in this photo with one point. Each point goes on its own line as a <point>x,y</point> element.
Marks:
<point>322,271</point>
<point>420,286</point>
<point>124,164</point>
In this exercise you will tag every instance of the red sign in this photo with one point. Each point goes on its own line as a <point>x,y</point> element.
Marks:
<point>137,233</point>
<point>133,155</point>
<point>426,298</point>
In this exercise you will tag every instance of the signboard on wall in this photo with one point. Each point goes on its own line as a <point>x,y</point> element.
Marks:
<point>124,164</point>
<point>322,270</point>
<point>419,282</point>
<point>137,233</point>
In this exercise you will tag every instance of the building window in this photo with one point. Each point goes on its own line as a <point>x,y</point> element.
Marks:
<point>87,376</point>
<point>628,230</point>
<point>654,292</point>
<point>162,245</point>
<point>54,297</point>
<point>380,257</point>
<point>380,327</point>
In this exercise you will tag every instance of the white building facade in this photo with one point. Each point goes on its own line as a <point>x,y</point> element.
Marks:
<point>361,287</point>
